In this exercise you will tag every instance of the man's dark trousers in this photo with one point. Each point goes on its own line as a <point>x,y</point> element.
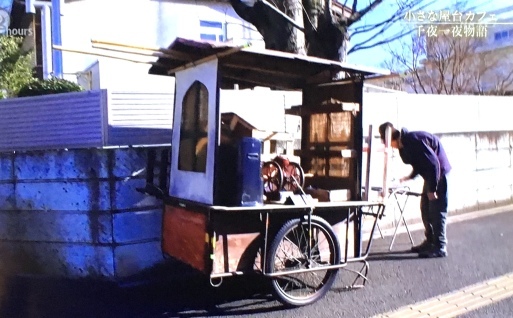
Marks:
<point>434,215</point>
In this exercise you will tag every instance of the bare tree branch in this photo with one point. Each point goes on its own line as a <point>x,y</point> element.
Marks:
<point>363,45</point>
<point>325,34</point>
<point>357,15</point>
<point>370,27</point>
<point>452,65</point>
<point>404,6</point>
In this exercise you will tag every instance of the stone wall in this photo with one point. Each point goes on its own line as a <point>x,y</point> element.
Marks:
<point>482,175</point>
<point>476,132</point>
<point>77,213</point>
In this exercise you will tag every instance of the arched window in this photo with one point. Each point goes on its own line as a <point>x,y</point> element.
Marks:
<point>192,154</point>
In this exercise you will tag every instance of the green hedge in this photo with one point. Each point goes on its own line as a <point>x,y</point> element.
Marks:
<point>49,86</point>
<point>15,66</point>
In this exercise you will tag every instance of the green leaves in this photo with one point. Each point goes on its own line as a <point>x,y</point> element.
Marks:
<point>49,86</point>
<point>15,66</point>
<point>16,73</point>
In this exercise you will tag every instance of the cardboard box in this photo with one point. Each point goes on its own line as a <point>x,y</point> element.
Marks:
<point>339,195</point>
<point>322,195</point>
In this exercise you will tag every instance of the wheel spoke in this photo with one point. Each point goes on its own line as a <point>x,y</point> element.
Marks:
<point>291,252</point>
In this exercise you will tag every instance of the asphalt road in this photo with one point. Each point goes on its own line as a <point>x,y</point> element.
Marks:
<point>479,249</point>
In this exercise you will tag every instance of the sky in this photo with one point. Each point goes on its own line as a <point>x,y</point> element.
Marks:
<point>6,4</point>
<point>377,56</point>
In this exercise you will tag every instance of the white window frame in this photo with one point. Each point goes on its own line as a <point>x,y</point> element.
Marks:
<point>502,35</point>
<point>212,31</point>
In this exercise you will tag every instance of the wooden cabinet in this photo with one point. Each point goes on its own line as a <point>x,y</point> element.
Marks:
<point>332,136</point>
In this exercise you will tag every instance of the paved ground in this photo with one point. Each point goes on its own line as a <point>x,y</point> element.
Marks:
<point>480,249</point>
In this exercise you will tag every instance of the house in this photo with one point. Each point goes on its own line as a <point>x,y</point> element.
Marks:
<point>145,23</point>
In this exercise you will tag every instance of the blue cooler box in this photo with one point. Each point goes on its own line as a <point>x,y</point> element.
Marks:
<point>250,183</point>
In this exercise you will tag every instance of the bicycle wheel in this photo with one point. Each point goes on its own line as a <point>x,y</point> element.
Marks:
<point>272,176</point>
<point>289,252</point>
<point>295,177</point>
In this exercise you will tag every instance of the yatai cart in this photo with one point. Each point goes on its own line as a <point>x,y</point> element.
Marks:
<point>216,218</point>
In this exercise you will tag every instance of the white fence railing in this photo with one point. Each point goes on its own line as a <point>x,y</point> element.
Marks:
<point>97,118</point>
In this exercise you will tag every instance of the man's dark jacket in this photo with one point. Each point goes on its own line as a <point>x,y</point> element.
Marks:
<point>424,152</point>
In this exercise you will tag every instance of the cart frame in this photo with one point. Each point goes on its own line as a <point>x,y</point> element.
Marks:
<point>274,217</point>
<point>291,240</point>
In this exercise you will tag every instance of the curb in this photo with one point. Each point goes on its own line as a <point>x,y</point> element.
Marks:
<point>417,225</point>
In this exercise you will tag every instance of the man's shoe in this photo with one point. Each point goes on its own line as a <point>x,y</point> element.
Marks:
<point>433,253</point>
<point>422,247</point>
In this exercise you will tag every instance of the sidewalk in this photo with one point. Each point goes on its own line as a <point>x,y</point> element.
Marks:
<point>415,224</point>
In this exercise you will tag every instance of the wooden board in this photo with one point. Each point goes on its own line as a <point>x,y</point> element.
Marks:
<point>236,252</point>
<point>184,236</point>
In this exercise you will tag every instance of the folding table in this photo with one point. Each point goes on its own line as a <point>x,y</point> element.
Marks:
<point>400,195</point>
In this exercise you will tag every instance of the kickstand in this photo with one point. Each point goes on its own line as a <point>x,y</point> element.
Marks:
<point>361,276</point>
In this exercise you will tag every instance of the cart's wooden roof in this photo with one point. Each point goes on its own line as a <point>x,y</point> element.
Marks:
<point>249,67</point>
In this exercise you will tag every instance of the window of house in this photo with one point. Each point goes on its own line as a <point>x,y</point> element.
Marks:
<point>212,31</point>
<point>192,154</point>
<point>498,36</point>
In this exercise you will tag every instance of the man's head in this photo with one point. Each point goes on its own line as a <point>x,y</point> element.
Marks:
<point>396,134</point>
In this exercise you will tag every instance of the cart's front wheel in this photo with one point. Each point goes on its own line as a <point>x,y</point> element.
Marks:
<point>296,250</point>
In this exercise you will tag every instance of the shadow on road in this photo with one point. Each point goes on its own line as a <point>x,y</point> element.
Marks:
<point>192,296</point>
<point>393,256</point>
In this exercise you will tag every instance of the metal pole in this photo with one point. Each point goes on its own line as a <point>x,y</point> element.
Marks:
<point>46,25</point>
<point>30,7</point>
<point>367,173</point>
<point>388,149</point>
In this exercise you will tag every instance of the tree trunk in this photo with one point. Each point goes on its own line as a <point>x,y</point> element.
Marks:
<point>274,28</point>
<point>297,37</point>
<point>322,36</point>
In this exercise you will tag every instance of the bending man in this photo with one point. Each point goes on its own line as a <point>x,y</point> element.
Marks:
<point>424,152</point>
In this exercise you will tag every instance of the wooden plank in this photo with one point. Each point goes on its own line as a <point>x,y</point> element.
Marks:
<point>125,47</point>
<point>368,170</point>
<point>234,252</point>
<point>289,74</point>
<point>184,236</point>
<point>206,59</point>
<point>90,52</point>
<point>296,208</point>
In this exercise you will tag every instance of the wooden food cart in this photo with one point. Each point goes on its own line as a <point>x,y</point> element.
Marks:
<point>216,218</point>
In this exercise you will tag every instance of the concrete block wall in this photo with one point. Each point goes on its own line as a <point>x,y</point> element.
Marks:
<point>482,175</point>
<point>476,132</point>
<point>76,213</point>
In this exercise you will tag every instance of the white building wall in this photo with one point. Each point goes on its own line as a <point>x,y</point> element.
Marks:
<point>477,135</point>
<point>108,73</point>
<point>144,23</point>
